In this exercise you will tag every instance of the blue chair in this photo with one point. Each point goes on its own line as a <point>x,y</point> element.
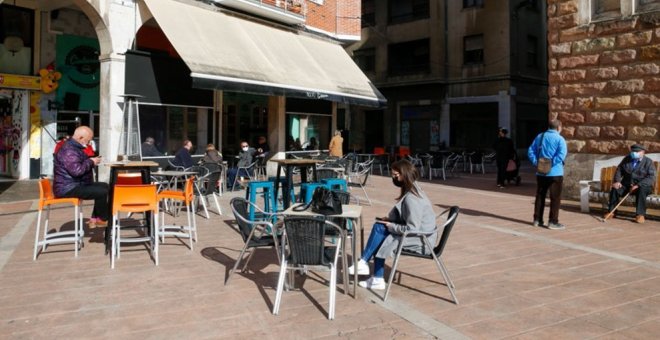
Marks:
<point>307,190</point>
<point>267,190</point>
<point>335,184</point>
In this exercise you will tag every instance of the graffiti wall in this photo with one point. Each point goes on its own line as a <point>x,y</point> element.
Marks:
<point>12,109</point>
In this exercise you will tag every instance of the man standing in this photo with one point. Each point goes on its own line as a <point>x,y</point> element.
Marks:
<point>73,175</point>
<point>504,152</point>
<point>183,157</point>
<point>551,146</point>
<point>245,158</point>
<point>634,174</point>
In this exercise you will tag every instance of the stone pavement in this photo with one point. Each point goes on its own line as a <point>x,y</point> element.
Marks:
<point>592,280</point>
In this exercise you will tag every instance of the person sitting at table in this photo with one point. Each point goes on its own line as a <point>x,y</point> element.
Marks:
<point>312,145</point>
<point>182,157</point>
<point>73,175</point>
<point>262,147</point>
<point>245,158</point>
<point>212,156</point>
<point>149,148</point>
<point>412,211</point>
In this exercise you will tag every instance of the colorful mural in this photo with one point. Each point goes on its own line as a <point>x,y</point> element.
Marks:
<point>11,111</point>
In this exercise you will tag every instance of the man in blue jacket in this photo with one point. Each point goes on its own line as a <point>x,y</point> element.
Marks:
<point>550,145</point>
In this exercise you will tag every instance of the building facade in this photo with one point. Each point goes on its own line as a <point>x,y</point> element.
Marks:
<point>210,71</point>
<point>604,60</point>
<point>453,72</point>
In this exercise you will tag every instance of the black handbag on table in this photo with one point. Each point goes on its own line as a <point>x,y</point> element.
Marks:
<point>324,202</point>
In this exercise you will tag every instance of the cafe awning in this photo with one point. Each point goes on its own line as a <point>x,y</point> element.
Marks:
<point>233,54</point>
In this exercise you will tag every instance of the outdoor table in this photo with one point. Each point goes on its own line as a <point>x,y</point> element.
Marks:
<point>351,212</point>
<point>290,164</point>
<point>144,167</point>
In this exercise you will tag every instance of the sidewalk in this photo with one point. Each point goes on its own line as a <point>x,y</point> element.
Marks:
<point>592,280</point>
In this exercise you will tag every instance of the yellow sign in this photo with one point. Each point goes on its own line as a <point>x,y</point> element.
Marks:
<point>16,81</point>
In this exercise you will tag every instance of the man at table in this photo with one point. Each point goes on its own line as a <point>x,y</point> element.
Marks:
<point>149,148</point>
<point>73,175</point>
<point>245,158</point>
<point>183,157</point>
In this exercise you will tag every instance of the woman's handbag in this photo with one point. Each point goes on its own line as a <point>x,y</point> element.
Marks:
<point>511,166</point>
<point>324,202</point>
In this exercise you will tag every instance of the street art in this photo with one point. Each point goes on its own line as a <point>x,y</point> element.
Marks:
<point>10,131</point>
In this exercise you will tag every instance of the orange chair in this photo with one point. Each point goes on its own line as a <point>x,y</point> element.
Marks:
<point>131,199</point>
<point>403,152</point>
<point>47,199</point>
<point>129,178</point>
<point>379,151</point>
<point>186,198</point>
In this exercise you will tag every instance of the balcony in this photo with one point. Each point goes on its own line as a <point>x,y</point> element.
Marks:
<point>286,11</point>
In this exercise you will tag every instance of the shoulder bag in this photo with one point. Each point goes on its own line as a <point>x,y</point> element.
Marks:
<point>324,202</point>
<point>543,164</point>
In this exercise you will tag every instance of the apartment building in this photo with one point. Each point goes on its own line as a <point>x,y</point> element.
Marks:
<point>452,71</point>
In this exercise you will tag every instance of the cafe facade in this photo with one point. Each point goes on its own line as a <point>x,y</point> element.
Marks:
<point>212,72</point>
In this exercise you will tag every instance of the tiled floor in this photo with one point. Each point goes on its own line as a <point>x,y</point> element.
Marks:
<point>592,280</point>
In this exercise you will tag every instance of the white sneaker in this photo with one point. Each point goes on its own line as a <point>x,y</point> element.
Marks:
<point>363,268</point>
<point>377,283</point>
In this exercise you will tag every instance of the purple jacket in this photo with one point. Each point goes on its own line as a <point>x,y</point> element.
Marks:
<point>72,168</point>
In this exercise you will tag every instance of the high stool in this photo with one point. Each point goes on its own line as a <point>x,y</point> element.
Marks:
<point>185,197</point>
<point>47,199</point>
<point>268,192</point>
<point>335,184</point>
<point>132,199</point>
<point>307,190</point>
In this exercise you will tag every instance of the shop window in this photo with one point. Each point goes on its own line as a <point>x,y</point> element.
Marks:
<point>473,3</point>
<point>532,52</point>
<point>404,11</point>
<point>473,49</point>
<point>410,57</point>
<point>365,59</point>
<point>368,13</point>
<point>16,39</point>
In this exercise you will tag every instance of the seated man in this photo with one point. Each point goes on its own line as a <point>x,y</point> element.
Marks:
<point>634,174</point>
<point>73,175</point>
<point>149,148</point>
<point>245,158</point>
<point>262,147</point>
<point>183,157</point>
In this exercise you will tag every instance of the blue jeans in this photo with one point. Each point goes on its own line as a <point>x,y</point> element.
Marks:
<point>376,237</point>
<point>232,173</point>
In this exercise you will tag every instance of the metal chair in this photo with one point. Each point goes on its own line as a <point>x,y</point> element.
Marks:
<point>477,162</point>
<point>436,165</point>
<point>174,166</point>
<point>247,169</point>
<point>206,186</point>
<point>256,234</point>
<point>47,199</point>
<point>360,177</point>
<point>305,237</point>
<point>382,160</point>
<point>435,255</point>
<point>131,199</point>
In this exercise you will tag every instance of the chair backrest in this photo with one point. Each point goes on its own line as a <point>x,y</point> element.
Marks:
<point>324,173</point>
<point>174,166</point>
<point>606,177</point>
<point>306,239</point>
<point>129,178</point>
<point>446,229</point>
<point>239,206</point>
<point>404,151</point>
<point>656,187</point>
<point>133,198</point>
<point>379,150</point>
<point>189,189</point>
<point>45,189</point>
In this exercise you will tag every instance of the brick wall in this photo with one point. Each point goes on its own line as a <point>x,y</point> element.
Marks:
<point>604,85</point>
<point>337,17</point>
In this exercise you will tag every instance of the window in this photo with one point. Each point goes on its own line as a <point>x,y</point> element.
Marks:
<point>605,9</point>
<point>409,58</point>
<point>404,11</point>
<point>368,13</point>
<point>473,49</point>
<point>473,3</point>
<point>365,59</point>
<point>647,5</point>
<point>532,51</point>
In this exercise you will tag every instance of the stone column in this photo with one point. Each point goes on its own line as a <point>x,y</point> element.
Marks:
<point>110,108</point>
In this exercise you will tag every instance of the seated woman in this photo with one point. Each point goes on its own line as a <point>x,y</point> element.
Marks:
<point>412,211</point>
<point>212,155</point>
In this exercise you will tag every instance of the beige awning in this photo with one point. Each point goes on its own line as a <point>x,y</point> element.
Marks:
<point>234,54</point>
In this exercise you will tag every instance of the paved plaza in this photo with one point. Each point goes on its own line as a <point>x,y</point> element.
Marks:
<point>514,281</point>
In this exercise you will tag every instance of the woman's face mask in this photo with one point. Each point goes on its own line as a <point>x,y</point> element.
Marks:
<point>396,182</point>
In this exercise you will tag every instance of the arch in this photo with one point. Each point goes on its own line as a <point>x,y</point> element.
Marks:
<point>101,28</point>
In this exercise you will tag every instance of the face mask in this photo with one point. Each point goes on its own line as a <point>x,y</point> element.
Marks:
<point>396,182</point>
<point>245,148</point>
<point>635,155</point>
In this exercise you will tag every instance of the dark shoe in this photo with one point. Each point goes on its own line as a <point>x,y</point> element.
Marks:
<point>639,219</point>
<point>556,226</point>
<point>538,223</point>
<point>518,179</point>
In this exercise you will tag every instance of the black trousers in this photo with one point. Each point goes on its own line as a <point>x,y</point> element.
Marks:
<point>501,170</point>
<point>97,191</point>
<point>543,185</point>
<point>640,198</point>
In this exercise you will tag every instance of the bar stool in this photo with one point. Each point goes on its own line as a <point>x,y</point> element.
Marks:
<point>186,198</point>
<point>307,190</point>
<point>283,183</point>
<point>47,199</point>
<point>268,193</point>
<point>335,184</point>
<point>132,199</point>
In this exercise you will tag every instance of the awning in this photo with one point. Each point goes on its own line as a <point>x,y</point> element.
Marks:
<point>233,54</point>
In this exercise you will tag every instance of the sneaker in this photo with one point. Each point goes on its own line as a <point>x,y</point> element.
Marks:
<point>556,226</point>
<point>538,223</point>
<point>377,283</point>
<point>363,268</point>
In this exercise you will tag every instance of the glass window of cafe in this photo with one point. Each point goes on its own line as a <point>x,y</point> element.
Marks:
<point>169,126</point>
<point>306,119</point>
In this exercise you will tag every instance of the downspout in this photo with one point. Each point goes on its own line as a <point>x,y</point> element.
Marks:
<point>446,52</point>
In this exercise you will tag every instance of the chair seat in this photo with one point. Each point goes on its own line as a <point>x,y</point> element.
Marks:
<point>171,194</point>
<point>62,200</point>
<point>416,254</point>
<point>264,241</point>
